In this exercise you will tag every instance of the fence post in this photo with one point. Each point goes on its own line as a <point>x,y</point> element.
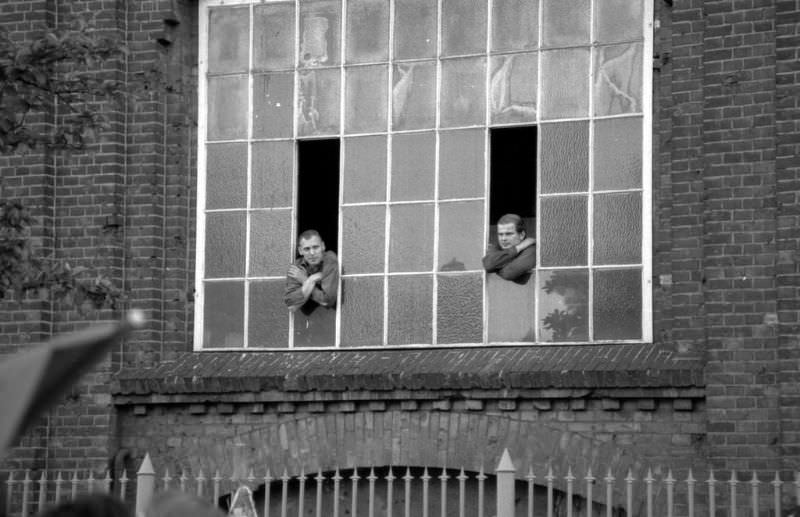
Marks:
<point>145,485</point>
<point>505,486</point>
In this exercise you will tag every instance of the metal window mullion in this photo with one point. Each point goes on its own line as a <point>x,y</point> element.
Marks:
<point>295,174</point>
<point>538,193</point>
<point>387,206</point>
<point>486,165</point>
<point>340,211</point>
<point>202,124</point>
<point>590,200</point>
<point>647,162</point>
<point>437,128</point>
<point>249,179</point>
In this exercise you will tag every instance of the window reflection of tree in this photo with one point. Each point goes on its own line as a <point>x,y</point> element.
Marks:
<point>570,322</point>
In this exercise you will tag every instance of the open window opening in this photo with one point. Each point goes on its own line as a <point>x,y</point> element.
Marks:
<point>318,189</point>
<point>513,175</point>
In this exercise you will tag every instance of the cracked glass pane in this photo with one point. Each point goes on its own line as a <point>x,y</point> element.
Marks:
<point>318,102</point>
<point>414,95</point>
<point>512,94</point>
<point>618,79</point>
<point>463,87</point>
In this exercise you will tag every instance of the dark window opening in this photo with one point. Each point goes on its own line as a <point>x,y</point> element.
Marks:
<point>512,187</point>
<point>318,189</point>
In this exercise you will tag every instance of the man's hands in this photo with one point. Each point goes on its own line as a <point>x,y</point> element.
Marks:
<point>526,243</point>
<point>297,273</point>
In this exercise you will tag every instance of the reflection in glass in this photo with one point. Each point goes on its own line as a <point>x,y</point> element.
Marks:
<point>463,86</point>
<point>565,157</point>
<point>565,83</point>
<point>362,311</point>
<point>367,31</point>
<point>273,95</point>
<point>511,310</point>
<point>226,175</point>
<point>411,238</point>
<point>318,102</point>
<point>618,153</point>
<point>364,169</point>
<point>463,27</point>
<point>363,245</point>
<point>515,24</point>
<point>563,239</point>
<point>223,315</point>
<point>227,107</point>
<point>415,29</point>
<point>619,20</point>
<point>564,305</point>
<point>366,99</point>
<point>618,228</point>
<point>273,36</point>
<point>414,95</point>
<point>271,184</point>
<point>566,23</point>
<point>413,166</point>
<point>229,53</point>
<point>618,79</point>
<point>460,235</point>
<point>410,310</point>
<point>618,304</point>
<point>461,162</point>
<point>513,88</point>
<point>270,242</point>
<point>268,318</point>
<point>319,32</point>
<point>459,309</point>
<point>224,244</point>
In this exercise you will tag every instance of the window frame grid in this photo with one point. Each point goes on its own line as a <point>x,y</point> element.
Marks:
<point>645,263</point>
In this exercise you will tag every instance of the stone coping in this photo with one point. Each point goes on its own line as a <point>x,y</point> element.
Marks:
<point>487,368</point>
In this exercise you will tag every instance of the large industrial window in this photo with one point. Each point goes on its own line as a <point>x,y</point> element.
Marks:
<point>419,97</point>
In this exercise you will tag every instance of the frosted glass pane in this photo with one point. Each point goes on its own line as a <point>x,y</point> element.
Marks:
<point>463,27</point>
<point>228,40</point>
<point>318,102</point>
<point>415,29</point>
<point>268,319</point>
<point>411,238</point>
<point>414,96</point>
<point>618,228</point>
<point>511,310</point>
<point>619,20</point>
<point>410,310</point>
<point>273,36</point>
<point>320,26</point>
<point>463,86</point>
<point>618,304</point>
<point>271,184</point>
<point>460,235</point>
<point>565,157</point>
<point>362,312</point>
<point>618,79</point>
<point>367,31</point>
<point>413,162</point>
<point>271,242</point>
<point>226,175</point>
<point>366,99</point>
<point>461,163</point>
<point>460,309</point>
<point>515,24</point>
<point>227,108</point>
<point>224,244</point>
<point>273,95</point>
<point>618,154</point>
<point>565,83</point>
<point>563,231</point>
<point>566,23</point>
<point>364,169</point>
<point>223,314</point>
<point>564,305</point>
<point>513,88</point>
<point>363,243</point>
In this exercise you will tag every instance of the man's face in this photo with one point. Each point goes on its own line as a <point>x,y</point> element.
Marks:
<point>311,249</point>
<point>508,236</point>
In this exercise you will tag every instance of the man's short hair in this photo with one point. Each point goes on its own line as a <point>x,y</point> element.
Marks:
<point>307,235</point>
<point>512,219</point>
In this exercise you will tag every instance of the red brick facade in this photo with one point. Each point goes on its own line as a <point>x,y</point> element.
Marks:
<point>726,235</point>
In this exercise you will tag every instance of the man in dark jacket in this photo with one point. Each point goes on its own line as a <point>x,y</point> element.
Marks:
<point>515,254</point>
<point>313,277</point>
